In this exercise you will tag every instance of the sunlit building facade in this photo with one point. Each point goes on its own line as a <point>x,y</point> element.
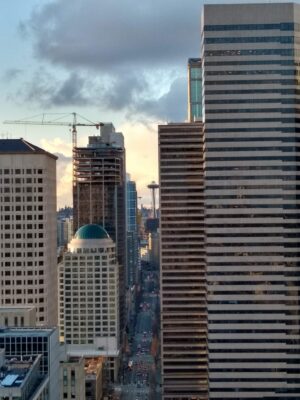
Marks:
<point>89,296</point>
<point>28,263</point>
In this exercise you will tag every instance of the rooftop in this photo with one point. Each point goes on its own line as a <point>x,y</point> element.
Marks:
<point>92,365</point>
<point>21,146</point>
<point>21,331</point>
<point>15,370</point>
<point>91,231</point>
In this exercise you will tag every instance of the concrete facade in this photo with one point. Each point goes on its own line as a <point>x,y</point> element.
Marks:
<point>89,298</point>
<point>17,316</point>
<point>251,92</point>
<point>28,229</point>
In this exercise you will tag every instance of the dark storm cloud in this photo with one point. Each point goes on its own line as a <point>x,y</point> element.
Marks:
<point>11,74</point>
<point>124,91</point>
<point>113,33</point>
<point>47,91</point>
<point>115,46</point>
<point>70,92</point>
<point>172,106</point>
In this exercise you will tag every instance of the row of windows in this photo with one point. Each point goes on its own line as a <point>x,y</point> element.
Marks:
<point>20,226</point>
<point>260,138</point>
<point>22,254</point>
<point>18,171</point>
<point>255,168</point>
<point>252,52</point>
<point>283,26</point>
<point>253,120</point>
<point>293,149</point>
<point>254,91</point>
<point>253,110</point>
<point>19,180</point>
<point>252,82</point>
<point>293,158</point>
<point>252,62</point>
<point>252,39</point>
<point>292,72</point>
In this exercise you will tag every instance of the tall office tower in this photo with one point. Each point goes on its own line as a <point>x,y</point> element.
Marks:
<point>89,296</point>
<point>251,95</point>
<point>28,228</point>
<point>132,233</point>
<point>183,283</point>
<point>194,89</point>
<point>99,193</point>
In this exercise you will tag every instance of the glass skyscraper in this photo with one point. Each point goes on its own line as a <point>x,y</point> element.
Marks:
<point>132,234</point>
<point>194,89</point>
<point>251,65</point>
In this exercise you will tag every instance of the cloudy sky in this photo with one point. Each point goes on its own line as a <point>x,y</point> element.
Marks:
<point>122,61</point>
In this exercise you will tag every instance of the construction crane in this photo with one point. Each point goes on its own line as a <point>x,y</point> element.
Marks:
<point>57,121</point>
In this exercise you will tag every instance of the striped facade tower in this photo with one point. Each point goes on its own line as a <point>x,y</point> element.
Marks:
<point>251,67</point>
<point>183,285</point>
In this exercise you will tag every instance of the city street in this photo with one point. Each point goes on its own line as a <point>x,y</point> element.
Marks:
<point>140,369</point>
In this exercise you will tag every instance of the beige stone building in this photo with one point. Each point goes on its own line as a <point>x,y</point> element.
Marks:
<point>28,229</point>
<point>89,297</point>
<point>17,316</point>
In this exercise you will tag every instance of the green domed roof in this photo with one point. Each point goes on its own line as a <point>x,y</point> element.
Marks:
<point>91,231</point>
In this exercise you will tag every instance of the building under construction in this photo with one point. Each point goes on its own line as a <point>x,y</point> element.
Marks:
<point>99,189</point>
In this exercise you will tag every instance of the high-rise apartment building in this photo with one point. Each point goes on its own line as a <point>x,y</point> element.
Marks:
<point>28,229</point>
<point>194,89</point>
<point>182,259</point>
<point>99,193</point>
<point>89,296</point>
<point>251,92</point>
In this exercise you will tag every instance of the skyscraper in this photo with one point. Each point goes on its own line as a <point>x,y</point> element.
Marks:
<point>251,93</point>
<point>182,275</point>
<point>99,192</point>
<point>132,234</point>
<point>28,228</point>
<point>194,89</point>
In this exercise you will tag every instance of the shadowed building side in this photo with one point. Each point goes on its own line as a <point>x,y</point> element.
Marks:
<point>182,275</point>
